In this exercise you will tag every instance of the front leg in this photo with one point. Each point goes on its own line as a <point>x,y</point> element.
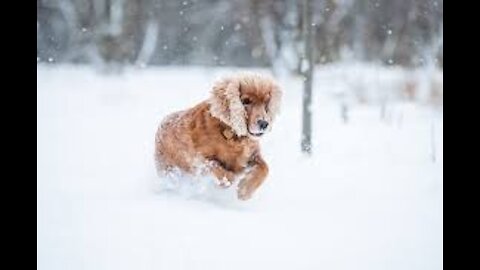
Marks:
<point>254,178</point>
<point>224,176</point>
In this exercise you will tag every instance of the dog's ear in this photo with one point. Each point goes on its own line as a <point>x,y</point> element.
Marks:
<point>225,104</point>
<point>273,107</point>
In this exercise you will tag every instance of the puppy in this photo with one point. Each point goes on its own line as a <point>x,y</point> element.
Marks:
<point>220,135</point>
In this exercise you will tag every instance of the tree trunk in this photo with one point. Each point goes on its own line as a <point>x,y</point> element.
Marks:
<point>307,70</point>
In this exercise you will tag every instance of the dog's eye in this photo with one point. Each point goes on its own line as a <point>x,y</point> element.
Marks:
<point>246,101</point>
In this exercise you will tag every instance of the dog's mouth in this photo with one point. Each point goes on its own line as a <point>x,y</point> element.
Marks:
<point>259,134</point>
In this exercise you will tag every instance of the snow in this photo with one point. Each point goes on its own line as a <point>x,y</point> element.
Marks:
<point>370,197</point>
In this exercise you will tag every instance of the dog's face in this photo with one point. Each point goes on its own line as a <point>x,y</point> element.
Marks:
<point>255,102</point>
<point>246,102</point>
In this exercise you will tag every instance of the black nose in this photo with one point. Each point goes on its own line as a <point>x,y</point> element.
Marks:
<point>262,124</point>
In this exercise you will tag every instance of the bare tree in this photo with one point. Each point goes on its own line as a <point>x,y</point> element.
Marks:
<point>307,69</point>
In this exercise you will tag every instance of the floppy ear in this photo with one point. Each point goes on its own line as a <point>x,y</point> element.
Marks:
<point>225,104</point>
<point>273,107</point>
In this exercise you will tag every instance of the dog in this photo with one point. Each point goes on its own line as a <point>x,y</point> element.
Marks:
<point>220,136</point>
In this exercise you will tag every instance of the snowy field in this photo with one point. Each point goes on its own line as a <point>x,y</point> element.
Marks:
<point>371,196</point>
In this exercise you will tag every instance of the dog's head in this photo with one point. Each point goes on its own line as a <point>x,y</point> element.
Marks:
<point>247,102</point>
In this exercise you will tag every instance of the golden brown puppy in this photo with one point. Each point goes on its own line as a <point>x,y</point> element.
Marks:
<point>220,135</point>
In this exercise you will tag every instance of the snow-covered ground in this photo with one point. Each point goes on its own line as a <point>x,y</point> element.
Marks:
<point>371,196</point>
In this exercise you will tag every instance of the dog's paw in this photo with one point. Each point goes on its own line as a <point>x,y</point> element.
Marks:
<point>243,193</point>
<point>224,182</point>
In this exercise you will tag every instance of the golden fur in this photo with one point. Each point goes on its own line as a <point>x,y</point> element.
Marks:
<point>219,136</point>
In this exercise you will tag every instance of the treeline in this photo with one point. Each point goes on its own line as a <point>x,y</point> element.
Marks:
<point>238,32</point>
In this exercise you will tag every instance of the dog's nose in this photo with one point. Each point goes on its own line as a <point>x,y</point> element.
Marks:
<point>262,124</point>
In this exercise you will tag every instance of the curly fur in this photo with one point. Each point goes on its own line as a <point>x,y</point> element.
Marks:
<point>215,137</point>
<point>225,105</point>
